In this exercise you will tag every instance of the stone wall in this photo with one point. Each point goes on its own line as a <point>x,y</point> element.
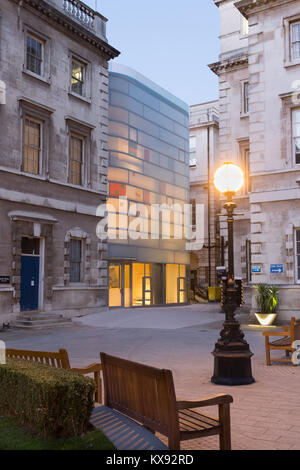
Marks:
<point>46,205</point>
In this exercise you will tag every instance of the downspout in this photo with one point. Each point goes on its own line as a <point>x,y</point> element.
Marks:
<point>19,13</point>
<point>208,203</point>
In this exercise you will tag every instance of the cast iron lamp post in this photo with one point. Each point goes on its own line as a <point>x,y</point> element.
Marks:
<point>232,355</point>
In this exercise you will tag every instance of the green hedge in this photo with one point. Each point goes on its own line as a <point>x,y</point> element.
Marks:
<point>53,402</point>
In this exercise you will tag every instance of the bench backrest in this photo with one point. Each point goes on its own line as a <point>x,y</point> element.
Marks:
<point>141,392</point>
<point>58,359</point>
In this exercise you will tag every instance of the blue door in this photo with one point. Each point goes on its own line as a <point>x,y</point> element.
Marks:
<point>29,282</point>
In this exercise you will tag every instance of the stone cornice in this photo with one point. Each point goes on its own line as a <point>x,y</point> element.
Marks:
<point>247,7</point>
<point>54,16</point>
<point>218,2</point>
<point>229,64</point>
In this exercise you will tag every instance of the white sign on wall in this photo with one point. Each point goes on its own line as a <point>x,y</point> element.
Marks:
<point>2,353</point>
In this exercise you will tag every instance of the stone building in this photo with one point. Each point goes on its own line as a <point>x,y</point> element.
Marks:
<point>53,156</point>
<point>258,71</point>
<point>204,136</point>
<point>148,166</point>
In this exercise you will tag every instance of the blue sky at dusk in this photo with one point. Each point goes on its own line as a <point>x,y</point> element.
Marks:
<point>169,41</point>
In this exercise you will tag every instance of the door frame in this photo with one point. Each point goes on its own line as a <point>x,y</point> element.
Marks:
<point>41,257</point>
<point>122,265</point>
<point>41,272</point>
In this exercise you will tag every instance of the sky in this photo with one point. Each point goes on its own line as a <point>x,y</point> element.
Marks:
<point>169,41</point>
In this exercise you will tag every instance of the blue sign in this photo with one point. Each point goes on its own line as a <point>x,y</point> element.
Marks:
<point>276,268</point>
<point>256,269</point>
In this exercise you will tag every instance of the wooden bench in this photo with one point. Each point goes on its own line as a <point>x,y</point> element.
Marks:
<point>60,360</point>
<point>288,336</point>
<point>147,395</point>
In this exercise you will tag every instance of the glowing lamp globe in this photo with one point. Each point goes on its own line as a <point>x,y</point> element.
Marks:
<point>229,178</point>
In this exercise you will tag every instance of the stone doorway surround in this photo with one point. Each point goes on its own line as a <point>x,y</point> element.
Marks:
<point>32,224</point>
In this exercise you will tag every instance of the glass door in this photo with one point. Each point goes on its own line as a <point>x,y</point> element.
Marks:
<point>119,285</point>
<point>147,290</point>
<point>181,290</point>
<point>126,283</point>
<point>115,285</point>
<point>181,284</point>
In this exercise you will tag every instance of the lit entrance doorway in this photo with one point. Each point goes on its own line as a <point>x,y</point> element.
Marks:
<point>31,273</point>
<point>131,285</point>
<point>134,284</point>
<point>119,285</point>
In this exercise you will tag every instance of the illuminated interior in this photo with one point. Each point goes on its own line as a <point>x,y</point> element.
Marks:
<point>127,290</point>
<point>115,296</point>
<point>137,283</point>
<point>144,284</point>
<point>175,283</point>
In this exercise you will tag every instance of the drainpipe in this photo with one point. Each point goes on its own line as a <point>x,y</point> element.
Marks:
<point>19,13</point>
<point>208,202</point>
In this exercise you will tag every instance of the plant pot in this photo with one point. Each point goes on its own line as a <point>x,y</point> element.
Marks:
<point>266,319</point>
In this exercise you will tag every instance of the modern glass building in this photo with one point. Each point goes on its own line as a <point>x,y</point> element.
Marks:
<point>148,165</point>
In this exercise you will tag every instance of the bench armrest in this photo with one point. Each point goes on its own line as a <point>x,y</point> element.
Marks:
<point>220,399</point>
<point>277,333</point>
<point>95,367</point>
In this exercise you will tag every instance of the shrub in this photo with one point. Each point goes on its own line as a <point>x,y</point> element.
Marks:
<point>53,402</point>
<point>267,298</point>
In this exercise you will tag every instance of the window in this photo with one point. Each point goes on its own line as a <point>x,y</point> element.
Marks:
<point>192,144</point>
<point>295,41</point>
<point>245,26</point>
<point>133,134</point>
<point>30,246</point>
<point>175,283</point>
<point>35,137</point>
<point>78,78</point>
<point>32,146</point>
<point>296,135</point>
<point>34,54</point>
<point>80,144</point>
<point>245,165</point>
<point>193,161</point>
<point>245,98</point>
<point>75,260</point>
<point>76,159</point>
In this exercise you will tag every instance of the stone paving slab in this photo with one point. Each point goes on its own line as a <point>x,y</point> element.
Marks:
<point>265,415</point>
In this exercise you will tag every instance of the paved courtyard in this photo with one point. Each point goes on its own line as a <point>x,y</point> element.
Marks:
<point>264,415</point>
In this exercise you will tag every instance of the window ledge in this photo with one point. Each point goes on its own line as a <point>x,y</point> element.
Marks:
<point>79,97</point>
<point>244,115</point>
<point>291,63</point>
<point>30,175</point>
<point>37,77</point>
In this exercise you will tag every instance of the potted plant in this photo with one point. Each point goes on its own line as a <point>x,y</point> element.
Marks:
<point>267,301</point>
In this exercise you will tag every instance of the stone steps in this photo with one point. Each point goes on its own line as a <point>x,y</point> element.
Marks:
<point>40,320</point>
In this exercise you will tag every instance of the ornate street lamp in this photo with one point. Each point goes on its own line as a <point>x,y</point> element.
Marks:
<point>232,355</point>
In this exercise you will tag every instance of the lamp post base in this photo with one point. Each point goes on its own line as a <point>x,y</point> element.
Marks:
<point>233,369</point>
<point>232,357</point>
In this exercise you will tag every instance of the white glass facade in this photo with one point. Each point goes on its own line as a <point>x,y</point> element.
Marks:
<point>148,164</point>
